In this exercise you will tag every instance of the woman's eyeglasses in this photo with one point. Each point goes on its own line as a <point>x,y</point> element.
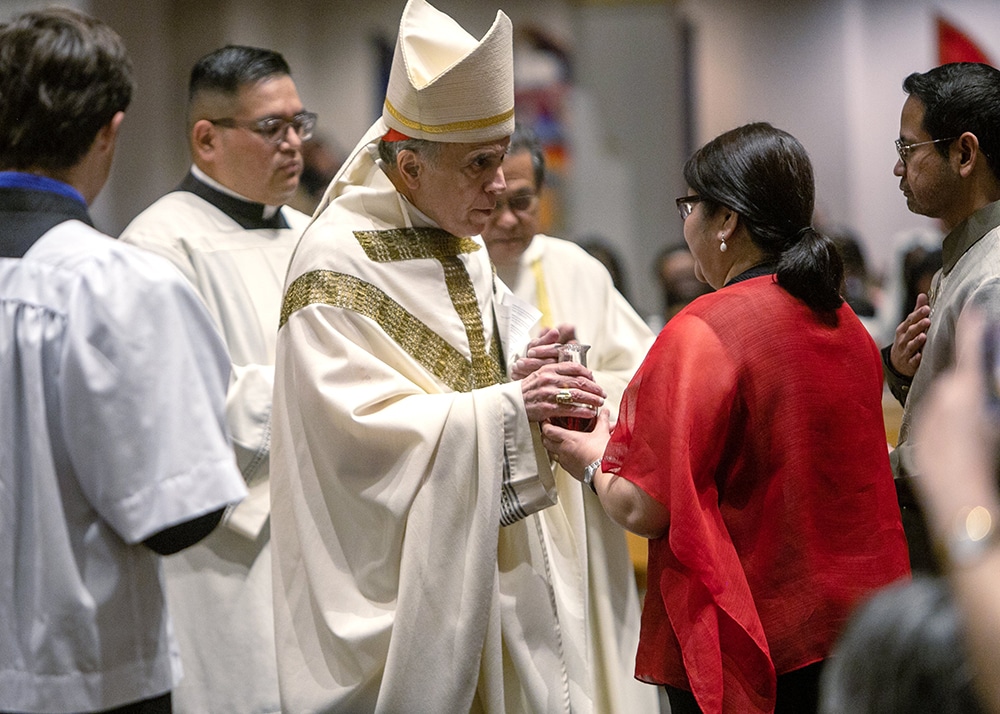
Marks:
<point>685,204</point>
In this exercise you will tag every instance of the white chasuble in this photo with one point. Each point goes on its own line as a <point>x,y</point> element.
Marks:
<point>399,451</point>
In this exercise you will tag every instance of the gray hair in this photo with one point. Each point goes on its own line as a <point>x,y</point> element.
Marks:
<point>389,150</point>
<point>524,139</point>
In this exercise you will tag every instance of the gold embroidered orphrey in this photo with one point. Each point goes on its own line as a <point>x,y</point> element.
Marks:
<point>419,341</point>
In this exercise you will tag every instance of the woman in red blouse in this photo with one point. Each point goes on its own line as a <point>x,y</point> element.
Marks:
<point>750,447</point>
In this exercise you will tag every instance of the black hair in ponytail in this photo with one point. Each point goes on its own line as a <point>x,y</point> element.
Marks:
<point>765,176</point>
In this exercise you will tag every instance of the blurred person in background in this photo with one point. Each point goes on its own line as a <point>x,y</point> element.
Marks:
<point>957,454</point>
<point>599,248</point>
<point>678,282</point>
<point>902,652</point>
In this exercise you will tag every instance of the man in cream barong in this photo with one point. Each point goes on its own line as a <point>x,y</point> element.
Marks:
<point>411,570</point>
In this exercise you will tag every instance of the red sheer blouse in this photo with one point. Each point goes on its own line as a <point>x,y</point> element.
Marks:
<point>758,424</point>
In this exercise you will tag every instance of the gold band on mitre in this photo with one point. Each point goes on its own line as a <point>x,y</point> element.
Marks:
<point>445,85</point>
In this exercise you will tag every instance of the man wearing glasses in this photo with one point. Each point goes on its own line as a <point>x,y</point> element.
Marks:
<point>949,169</point>
<point>227,229</point>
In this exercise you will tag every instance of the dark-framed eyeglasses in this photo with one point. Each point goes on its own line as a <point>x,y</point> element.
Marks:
<point>685,204</point>
<point>518,203</point>
<point>273,129</point>
<point>904,150</point>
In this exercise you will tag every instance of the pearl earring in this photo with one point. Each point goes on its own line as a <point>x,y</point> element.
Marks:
<point>723,248</point>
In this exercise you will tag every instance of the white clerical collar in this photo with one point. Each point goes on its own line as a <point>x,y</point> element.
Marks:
<point>208,180</point>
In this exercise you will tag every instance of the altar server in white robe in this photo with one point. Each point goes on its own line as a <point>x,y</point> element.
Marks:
<point>227,229</point>
<point>113,443</point>
<point>568,285</point>
<point>411,570</point>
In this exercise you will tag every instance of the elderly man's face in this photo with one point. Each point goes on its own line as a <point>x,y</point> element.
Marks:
<point>515,221</point>
<point>459,188</point>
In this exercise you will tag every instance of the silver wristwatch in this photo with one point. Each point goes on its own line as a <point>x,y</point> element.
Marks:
<point>589,472</point>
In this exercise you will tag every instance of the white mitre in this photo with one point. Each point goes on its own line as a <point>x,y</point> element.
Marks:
<point>445,85</point>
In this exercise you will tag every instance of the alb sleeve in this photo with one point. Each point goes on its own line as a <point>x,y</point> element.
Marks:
<point>144,382</point>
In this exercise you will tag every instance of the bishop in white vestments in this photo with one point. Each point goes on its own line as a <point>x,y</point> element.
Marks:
<point>411,571</point>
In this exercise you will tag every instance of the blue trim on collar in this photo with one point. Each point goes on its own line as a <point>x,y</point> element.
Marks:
<point>34,182</point>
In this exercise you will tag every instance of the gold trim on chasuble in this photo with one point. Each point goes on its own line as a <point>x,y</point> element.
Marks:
<point>413,336</point>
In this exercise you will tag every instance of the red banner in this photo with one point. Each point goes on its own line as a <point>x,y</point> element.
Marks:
<point>955,46</point>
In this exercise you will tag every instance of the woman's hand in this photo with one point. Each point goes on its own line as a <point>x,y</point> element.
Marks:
<point>575,450</point>
<point>624,502</point>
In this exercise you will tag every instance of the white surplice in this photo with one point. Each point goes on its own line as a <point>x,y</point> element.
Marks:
<point>111,431</point>
<point>219,591</point>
